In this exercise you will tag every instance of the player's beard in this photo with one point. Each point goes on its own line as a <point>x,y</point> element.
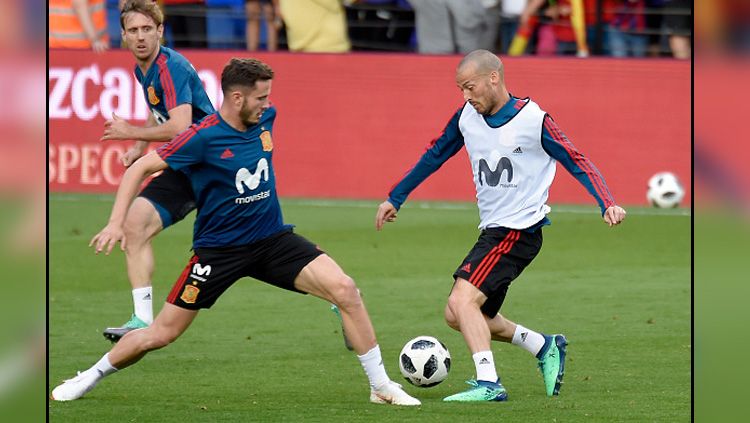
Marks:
<point>486,105</point>
<point>246,115</point>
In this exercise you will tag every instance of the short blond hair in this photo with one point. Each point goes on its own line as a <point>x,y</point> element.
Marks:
<point>145,7</point>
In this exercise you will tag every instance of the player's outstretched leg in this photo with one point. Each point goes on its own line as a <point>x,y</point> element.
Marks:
<point>324,278</point>
<point>171,322</point>
<point>141,225</point>
<point>552,362</point>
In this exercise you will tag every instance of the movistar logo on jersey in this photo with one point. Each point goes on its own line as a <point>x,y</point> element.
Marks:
<point>252,180</point>
<point>491,177</point>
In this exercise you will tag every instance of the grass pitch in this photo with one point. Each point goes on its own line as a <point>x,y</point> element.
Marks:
<point>621,295</point>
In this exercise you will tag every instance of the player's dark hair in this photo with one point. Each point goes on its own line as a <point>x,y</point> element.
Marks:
<point>244,73</point>
<point>149,8</point>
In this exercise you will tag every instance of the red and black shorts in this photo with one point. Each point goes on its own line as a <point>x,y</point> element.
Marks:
<point>276,260</point>
<point>498,257</point>
<point>171,194</point>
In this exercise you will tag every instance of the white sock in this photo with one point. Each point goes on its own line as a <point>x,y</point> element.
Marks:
<point>103,367</point>
<point>528,339</point>
<point>142,304</point>
<point>372,362</point>
<point>485,365</point>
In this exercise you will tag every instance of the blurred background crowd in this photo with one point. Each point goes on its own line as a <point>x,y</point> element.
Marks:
<point>617,28</point>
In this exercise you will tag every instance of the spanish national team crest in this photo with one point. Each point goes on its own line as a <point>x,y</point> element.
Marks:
<point>265,137</point>
<point>190,294</point>
<point>152,98</point>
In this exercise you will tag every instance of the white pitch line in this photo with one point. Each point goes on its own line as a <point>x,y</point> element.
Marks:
<point>430,205</point>
<point>427,205</point>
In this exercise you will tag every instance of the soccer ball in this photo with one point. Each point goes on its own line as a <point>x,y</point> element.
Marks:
<point>424,361</point>
<point>665,190</point>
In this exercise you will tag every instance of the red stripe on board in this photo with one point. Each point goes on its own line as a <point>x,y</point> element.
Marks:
<point>167,84</point>
<point>181,280</point>
<point>581,161</point>
<point>505,250</point>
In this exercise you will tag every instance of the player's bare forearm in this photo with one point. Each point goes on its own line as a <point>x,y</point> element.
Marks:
<point>158,133</point>
<point>113,232</point>
<point>119,129</point>
<point>131,182</point>
<point>141,145</point>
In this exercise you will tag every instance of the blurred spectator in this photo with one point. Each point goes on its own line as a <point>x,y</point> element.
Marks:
<point>510,18</point>
<point>271,13</point>
<point>186,20</point>
<point>567,23</point>
<point>678,22</point>
<point>490,28</point>
<point>113,22</point>
<point>385,25</point>
<point>317,26</point>
<point>78,24</point>
<point>225,24</point>
<point>448,26</point>
<point>625,28</point>
<point>654,25</point>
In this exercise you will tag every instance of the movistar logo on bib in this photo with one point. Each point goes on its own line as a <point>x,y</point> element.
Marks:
<point>492,177</point>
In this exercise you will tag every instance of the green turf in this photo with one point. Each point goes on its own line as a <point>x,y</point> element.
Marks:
<point>621,295</point>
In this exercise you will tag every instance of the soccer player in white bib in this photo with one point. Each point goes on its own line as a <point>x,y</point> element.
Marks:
<point>513,147</point>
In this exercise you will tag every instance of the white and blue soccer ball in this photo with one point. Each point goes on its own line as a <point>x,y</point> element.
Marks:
<point>424,361</point>
<point>665,190</point>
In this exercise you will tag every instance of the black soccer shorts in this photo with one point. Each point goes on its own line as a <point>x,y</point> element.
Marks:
<point>276,260</point>
<point>171,194</point>
<point>498,257</point>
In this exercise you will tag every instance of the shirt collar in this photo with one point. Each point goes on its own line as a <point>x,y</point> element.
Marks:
<point>506,113</point>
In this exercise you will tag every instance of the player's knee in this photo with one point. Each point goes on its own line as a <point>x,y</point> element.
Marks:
<point>160,338</point>
<point>135,230</point>
<point>345,293</point>
<point>456,302</point>
<point>450,318</point>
